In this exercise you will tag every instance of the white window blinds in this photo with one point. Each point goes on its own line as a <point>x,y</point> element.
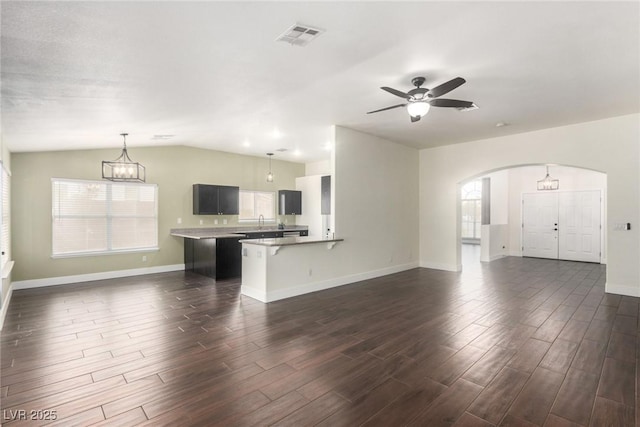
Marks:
<point>92,217</point>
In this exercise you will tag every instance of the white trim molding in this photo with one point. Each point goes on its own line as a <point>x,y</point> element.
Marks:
<point>439,266</point>
<point>630,291</point>
<point>78,278</point>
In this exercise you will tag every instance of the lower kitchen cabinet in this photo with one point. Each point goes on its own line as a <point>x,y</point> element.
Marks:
<point>216,258</point>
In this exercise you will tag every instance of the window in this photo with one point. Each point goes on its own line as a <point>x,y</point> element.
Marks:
<point>471,207</point>
<point>256,203</point>
<point>94,217</point>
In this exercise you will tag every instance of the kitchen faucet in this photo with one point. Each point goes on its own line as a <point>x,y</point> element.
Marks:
<point>261,217</point>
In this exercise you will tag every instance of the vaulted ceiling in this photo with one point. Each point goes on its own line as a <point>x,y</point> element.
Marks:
<point>210,74</point>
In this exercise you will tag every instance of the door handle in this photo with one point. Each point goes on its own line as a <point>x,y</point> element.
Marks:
<point>555,229</point>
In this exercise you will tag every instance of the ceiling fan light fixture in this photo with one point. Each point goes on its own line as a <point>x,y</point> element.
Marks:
<point>418,108</point>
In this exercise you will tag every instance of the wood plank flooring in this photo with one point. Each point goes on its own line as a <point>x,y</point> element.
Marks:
<point>517,342</point>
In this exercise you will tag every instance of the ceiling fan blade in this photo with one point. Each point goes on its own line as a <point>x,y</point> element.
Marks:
<point>414,119</point>
<point>396,92</point>
<point>446,87</point>
<point>387,108</point>
<point>450,103</point>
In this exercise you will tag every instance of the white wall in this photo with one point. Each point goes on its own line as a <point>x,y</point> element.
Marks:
<point>322,167</point>
<point>376,201</point>
<point>610,146</point>
<point>499,197</point>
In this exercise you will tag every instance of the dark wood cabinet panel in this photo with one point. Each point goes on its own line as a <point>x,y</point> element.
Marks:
<point>228,258</point>
<point>289,202</point>
<point>215,258</point>
<point>325,195</point>
<point>229,200</point>
<point>264,234</point>
<point>215,199</point>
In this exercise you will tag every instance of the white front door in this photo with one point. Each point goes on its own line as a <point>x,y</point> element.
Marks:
<point>579,238</point>
<point>540,225</point>
<point>563,225</point>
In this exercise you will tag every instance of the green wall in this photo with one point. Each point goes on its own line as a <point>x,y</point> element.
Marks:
<point>174,169</point>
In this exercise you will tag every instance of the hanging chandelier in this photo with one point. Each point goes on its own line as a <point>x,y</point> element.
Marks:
<point>123,168</point>
<point>548,183</point>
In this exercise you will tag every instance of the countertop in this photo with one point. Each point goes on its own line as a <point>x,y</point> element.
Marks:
<point>226,232</point>
<point>289,241</point>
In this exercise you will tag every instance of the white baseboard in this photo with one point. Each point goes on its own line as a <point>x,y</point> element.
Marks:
<point>438,266</point>
<point>323,284</point>
<point>631,291</point>
<point>78,278</point>
<point>5,306</point>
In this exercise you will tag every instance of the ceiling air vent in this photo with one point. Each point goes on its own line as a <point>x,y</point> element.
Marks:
<point>299,35</point>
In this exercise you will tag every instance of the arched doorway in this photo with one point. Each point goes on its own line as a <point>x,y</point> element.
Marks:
<point>501,198</point>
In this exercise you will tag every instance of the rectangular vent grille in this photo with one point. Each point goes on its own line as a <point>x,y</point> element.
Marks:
<point>299,35</point>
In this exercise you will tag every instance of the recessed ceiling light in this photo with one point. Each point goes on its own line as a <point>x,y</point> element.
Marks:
<point>246,143</point>
<point>276,133</point>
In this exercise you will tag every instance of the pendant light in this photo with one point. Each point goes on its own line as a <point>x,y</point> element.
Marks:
<point>270,174</point>
<point>123,168</point>
<point>548,183</point>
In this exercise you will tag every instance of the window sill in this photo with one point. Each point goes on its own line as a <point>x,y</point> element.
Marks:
<point>6,270</point>
<point>103,253</point>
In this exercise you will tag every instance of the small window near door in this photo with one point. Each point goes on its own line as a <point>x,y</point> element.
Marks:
<point>471,210</point>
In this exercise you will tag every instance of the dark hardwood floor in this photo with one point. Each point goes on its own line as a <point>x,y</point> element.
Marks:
<point>518,342</point>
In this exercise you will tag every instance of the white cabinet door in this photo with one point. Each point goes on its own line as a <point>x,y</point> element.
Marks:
<point>579,238</point>
<point>540,225</point>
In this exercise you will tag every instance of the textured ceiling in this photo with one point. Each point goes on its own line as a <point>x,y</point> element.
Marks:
<point>210,74</point>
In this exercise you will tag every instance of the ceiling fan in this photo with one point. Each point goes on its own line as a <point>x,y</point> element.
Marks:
<point>420,100</point>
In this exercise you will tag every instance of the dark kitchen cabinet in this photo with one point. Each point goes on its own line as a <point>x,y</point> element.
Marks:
<point>325,195</point>
<point>264,234</point>
<point>290,202</point>
<point>216,258</point>
<point>215,199</point>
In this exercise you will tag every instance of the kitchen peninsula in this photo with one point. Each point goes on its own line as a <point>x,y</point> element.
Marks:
<point>216,252</point>
<point>279,268</point>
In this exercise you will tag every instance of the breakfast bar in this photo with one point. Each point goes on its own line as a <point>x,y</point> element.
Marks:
<point>279,268</point>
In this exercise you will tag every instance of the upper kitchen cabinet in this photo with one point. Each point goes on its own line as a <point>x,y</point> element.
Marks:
<point>215,199</point>
<point>325,195</point>
<point>290,202</point>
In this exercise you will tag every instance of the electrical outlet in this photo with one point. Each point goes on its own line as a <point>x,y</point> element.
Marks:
<point>144,258</point>
<point>201,222</point>
<point>179,220</point>
<point>224,221</point>
<point>215,221</point>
